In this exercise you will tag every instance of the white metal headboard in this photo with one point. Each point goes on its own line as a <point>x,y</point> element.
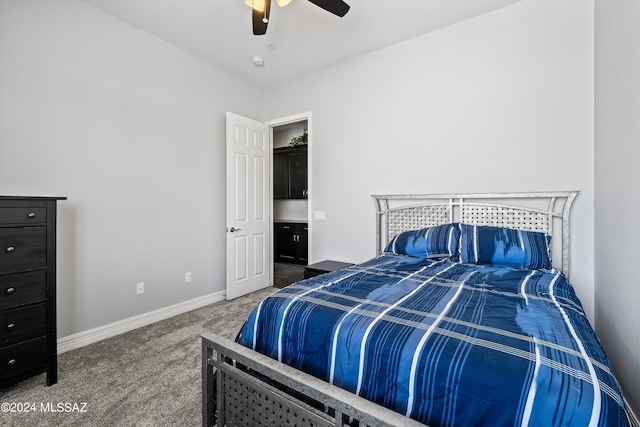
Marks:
<point>522,211</point>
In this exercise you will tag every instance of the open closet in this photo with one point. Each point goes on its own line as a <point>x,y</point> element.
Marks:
<point>290,202</point>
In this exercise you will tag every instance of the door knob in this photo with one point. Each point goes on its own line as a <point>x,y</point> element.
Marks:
<point>232,229</point>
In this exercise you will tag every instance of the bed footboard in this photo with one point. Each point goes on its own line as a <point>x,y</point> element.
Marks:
<point>243,399</point>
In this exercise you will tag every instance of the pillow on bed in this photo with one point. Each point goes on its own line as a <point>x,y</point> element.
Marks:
<point>481,244</point>
<point>432,242</point>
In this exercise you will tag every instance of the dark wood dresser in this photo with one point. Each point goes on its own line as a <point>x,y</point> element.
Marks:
<point>28,288</point>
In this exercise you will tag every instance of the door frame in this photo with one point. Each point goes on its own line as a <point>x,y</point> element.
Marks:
<point>284,121</point>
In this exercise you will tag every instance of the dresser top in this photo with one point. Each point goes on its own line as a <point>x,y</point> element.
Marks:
<point>31,198</point>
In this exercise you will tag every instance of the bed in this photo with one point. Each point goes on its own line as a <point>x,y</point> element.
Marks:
<point>465,317</point>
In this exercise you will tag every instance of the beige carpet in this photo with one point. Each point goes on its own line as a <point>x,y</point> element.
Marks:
<point>147,377</point>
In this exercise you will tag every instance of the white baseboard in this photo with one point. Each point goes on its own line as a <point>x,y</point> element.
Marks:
<point>91,336</point>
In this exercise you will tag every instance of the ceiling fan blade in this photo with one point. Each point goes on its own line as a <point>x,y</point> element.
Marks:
<point>337,7</point>
<point>258,19</point>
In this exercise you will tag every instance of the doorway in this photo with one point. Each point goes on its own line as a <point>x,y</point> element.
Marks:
<point>291,198</point>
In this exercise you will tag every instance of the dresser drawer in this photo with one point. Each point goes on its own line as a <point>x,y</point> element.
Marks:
<point>20,216</point>
<point>19,359</point>
<point>23,248</point>
<point>22,323</point>
<point>22,288</point>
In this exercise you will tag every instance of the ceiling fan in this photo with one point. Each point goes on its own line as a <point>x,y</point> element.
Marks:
<point>260,11</point>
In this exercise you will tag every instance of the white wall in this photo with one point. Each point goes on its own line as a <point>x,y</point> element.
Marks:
<point>502,102</point>
<point>131,130</point>
<point>617,140</point>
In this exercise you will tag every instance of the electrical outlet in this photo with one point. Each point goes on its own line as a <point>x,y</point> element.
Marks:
<point>140,288</point>
<point>187,277</point>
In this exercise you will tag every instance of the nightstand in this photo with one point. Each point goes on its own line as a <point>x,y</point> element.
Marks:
<point>323,267</point>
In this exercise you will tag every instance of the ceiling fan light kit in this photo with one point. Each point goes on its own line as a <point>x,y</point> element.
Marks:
<point>260,10</point>
<point>259,4</point>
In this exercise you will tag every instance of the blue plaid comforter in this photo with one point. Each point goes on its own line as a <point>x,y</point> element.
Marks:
<point>445,343</point>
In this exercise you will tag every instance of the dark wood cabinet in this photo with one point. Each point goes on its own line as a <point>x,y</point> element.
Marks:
<point>290,173</point>
<point>303,244</point>
<point>28,339</point>
<point>291,242</point>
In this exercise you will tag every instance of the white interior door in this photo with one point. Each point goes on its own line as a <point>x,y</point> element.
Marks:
<point>248,206</point>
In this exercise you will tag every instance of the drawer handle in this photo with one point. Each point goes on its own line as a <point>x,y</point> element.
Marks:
<point>10,326</point>
<point>10,250</point>
<point>11,362</point>
<point>31,215</point>
<point>10,290</point>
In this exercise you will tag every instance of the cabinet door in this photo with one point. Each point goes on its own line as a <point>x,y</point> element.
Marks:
<point>280,175</point>
<point>303,244</point>
<point>286,246</point>
<point>298,174</point>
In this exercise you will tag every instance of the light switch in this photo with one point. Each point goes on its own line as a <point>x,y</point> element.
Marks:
<point>318,215</point>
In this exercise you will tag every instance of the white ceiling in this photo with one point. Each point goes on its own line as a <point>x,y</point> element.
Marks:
<point>301,37</point>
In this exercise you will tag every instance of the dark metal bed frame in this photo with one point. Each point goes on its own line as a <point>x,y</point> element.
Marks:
<point>270,393</point>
